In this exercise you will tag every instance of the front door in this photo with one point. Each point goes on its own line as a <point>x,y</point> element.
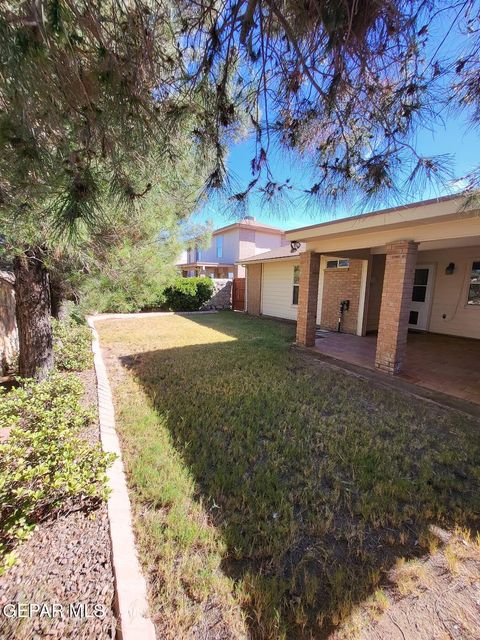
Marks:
<point>421,297</point>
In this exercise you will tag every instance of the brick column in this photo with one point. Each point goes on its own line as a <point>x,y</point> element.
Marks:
<point>254,289</point>
<point>307,298</point>
<point>396,297</point>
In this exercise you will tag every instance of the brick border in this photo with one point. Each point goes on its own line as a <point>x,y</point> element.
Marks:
<point>131,603</point>
<point>148,314</point>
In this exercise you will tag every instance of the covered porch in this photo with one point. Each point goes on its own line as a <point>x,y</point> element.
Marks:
<point>388,273</point>
<point>447,364</point>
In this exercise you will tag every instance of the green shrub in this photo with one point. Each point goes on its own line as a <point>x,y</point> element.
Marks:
<point>188,294</point>
<point>72,346</point>
<point>44,465</point>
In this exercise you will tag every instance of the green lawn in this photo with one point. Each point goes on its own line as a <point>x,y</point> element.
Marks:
<point>273,492</point>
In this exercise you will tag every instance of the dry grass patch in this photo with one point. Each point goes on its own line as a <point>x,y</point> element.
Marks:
<point>271,490</point>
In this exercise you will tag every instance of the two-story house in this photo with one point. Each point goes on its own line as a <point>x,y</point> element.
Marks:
<point>230,245</point>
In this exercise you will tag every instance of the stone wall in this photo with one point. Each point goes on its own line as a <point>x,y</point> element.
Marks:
<point>8,324</point>
<point>222,295</point>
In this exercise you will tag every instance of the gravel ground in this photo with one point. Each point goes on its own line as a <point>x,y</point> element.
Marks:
<point>66,562</point>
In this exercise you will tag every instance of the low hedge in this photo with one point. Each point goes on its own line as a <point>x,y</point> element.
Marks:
<point>72,345</point>
<point>188,294</point>
<point>45,465</point>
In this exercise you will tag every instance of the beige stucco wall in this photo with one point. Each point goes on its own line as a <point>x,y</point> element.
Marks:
<point>450,292</point>
<point>277,289</point>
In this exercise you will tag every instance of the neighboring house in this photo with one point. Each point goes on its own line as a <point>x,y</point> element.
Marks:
<point>412,267</point>
<point>229,245</point>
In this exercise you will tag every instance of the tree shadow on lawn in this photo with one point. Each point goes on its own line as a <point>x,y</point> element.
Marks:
<point>317,480</point>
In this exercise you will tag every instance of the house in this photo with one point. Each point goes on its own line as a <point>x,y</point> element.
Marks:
<point>229,246</point>
<point>414,267</point>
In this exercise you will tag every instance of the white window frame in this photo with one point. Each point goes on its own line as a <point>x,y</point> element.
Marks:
<point>472,305</point>
<point>296,276</point>
<point>337,263</point>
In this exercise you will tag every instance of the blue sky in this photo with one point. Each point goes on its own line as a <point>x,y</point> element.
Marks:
<point>455,137</point>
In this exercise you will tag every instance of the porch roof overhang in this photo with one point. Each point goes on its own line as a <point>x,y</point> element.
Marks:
<point>439,223</point>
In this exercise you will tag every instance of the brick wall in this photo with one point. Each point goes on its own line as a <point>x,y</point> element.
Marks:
<point>338,285</point>
<point>308,298</point>
<point>396,297</point>
<point>254,289</point>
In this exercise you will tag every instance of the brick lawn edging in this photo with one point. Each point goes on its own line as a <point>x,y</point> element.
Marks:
<point>131,602</point>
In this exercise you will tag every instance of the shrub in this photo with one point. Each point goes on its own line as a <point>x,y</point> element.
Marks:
<point>44,465</point>
<point>72,346</point>
<point>188,294</point>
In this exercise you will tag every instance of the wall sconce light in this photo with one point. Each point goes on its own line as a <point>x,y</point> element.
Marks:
<point>294,246</point>
<point>450,269</point>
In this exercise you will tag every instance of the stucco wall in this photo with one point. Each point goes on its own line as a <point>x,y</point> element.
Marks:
<point>277,289</point>
<point>450,292</point>
<point>267,241</point>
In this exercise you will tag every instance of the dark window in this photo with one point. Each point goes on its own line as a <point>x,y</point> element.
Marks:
<point>421,276</point>
<point>419,293</point>
<point>474,288</point>
<point>338,264</point>
<point>296,284</point>
<point>413,318</point>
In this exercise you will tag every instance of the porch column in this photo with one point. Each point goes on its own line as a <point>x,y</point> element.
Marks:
<point>307,298</point>
<point>396,297</point>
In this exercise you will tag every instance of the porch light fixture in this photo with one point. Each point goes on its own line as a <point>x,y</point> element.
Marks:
<point>450,269</point>
<point>294,246</point>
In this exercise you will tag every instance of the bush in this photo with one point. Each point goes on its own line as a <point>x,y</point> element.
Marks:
<point>72,346</point>
<point>44,465</point>
<point>188,294</point>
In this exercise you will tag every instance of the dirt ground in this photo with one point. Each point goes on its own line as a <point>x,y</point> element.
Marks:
<point>433,599</point>
<point>65,561</point>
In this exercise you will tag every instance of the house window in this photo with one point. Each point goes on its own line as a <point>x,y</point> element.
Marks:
<point>474,287</point>
<point>338,264</point>
<point>199,254</point>
<point>413,318</point>
<point>296,284</point>
<point>219,246</point>
<point>419,291</point>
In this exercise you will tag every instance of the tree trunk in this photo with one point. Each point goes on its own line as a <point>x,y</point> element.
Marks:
<point>57,300</point>
<point>32,293</point>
